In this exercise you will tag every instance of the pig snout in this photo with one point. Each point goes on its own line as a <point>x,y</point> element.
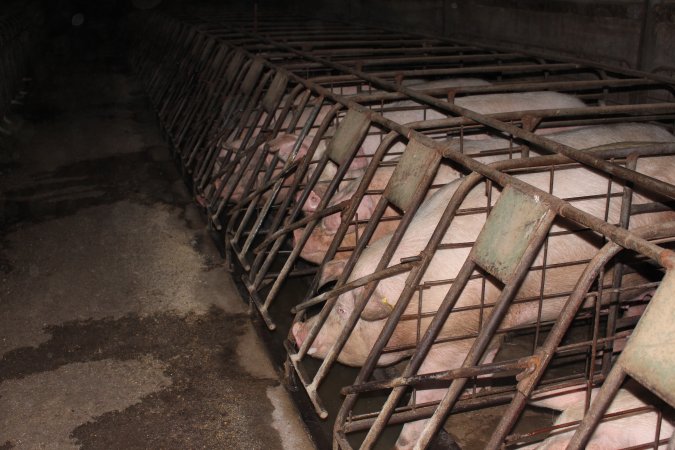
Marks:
<point>332,222</point>
<point>297,234</point>
<point>300,330</point>
<point>312,202</point>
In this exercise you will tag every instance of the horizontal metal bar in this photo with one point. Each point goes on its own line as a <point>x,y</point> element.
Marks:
<point>447,375</point>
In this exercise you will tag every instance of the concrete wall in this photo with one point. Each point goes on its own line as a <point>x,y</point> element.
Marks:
<point>608,31</point>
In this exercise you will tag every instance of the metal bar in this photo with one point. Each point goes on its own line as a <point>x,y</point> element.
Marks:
<point>597,409</point>
<point>448,375</point>
<point>487,331</point>
<point>546,352</point>
<point>638,179</point>
<point>623,238</point>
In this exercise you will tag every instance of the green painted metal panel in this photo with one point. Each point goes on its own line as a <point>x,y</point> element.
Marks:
<point>408,177</point>
<point>275,92</point>
<point>508,231</point>
<point>649,356</point>
<point>234,66</point>
<point>349,134</point>
<point>252,75</point>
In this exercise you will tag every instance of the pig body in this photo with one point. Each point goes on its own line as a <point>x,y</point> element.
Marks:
<point>568,183</point>
<point>417,84</point>
<point>446,263</point>
<point>485,104</point>
<point>283,143</point>
<point>324,233</point>
<point>579,138</point>
<point>626,431</point>
<point>371,143</point>
<point>488,104</point>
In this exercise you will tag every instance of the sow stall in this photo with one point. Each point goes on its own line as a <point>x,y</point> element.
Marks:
<point>312,148</point>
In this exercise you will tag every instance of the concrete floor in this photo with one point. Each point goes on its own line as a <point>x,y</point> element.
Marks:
<point>119,327</point>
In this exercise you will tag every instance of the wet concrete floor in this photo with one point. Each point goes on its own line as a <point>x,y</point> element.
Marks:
<point>119,327</point>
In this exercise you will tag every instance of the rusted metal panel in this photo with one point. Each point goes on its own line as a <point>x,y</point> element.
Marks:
<point>408,177</point>
<point>508,231</point>
<point>349,134</point>
<point>649,356</point>
<point>234,66</point>
<point>252,76</point>
<point>274,93</point>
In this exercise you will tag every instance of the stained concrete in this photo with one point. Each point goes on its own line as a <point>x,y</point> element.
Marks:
<point>72,395</point>
<point>119,327</point>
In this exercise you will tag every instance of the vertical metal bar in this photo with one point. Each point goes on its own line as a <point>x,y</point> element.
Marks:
<point>613,310</point>
<point>263,260</point>
<point>487,333</point>
<point>413,280</point>
<point>277,186</point>
<point>598,407</point>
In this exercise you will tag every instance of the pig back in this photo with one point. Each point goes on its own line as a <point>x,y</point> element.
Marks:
<point>574,183</point>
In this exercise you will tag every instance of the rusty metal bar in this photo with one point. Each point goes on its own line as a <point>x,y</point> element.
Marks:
<point>379,275</point>
<point>405,296</point>
<point>512,87</point>
<point>585,219</point>
<point>260,266</point>
<point>627,237</point>
<point>638,179</point>
<point>546,352</point>
<point>488,329</point>
<point>393,319</point>
<point>598,407</point>
<point>448,375</point>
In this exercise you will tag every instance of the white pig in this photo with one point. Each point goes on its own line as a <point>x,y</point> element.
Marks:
<point>284,142</point>
<point>583,137</point>
<point>571,182</point>
<point>625,431</point>
<point>488,104</point>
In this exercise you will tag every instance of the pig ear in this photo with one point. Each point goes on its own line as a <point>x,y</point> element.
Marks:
<point>366,207</point>
<point>312,202</point>
<point>364,211</point>
<point>332,270</point>
<point>329,171</point>
<point>285,146</point>
<point>377,308</point>
<point>280,140</point>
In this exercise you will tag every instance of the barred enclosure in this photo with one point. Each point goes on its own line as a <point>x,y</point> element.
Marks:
<point>474,230</point>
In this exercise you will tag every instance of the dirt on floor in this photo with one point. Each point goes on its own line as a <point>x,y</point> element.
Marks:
<point>119,327</point>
